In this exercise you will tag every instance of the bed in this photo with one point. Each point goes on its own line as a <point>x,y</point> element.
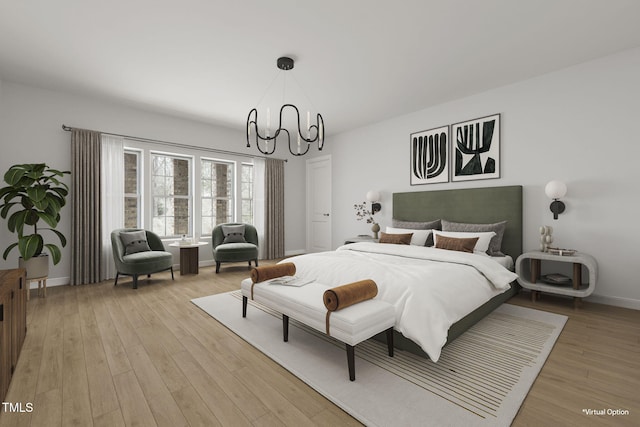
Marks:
<point>404,280</point>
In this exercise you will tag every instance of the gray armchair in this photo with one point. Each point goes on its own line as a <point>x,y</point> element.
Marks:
<point>244,250</point>
<point>143,261</point>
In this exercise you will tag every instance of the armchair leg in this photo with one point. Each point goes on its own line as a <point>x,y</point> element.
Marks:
<point>249,263</point>
<point>217,267</point>
<point>116,283</point>
<point>135,281</point>
<point>256,261</point>
<point>172,273</point>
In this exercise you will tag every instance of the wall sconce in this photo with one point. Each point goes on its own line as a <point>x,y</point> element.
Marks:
<point>374,197</point>
<point>556,190</point>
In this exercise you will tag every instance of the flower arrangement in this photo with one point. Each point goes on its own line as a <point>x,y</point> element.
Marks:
<point>363,213</point>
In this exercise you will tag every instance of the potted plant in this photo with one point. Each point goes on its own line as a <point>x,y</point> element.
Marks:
<point>363,213</point>
<point>33,194</point>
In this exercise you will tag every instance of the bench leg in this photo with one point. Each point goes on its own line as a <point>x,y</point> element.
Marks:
<point>244,306</point>
<point>390,341</point>
<point>351,362</point>
<point>285,327</point>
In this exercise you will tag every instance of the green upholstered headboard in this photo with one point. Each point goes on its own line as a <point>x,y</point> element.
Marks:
<point>472,205</point>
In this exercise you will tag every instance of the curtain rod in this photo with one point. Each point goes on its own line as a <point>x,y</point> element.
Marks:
<point>174,144</point>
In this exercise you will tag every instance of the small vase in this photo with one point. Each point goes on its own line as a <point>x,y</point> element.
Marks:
<point>375,228</point>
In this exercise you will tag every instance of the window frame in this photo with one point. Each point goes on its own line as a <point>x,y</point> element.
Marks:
<point>252,198</point>
<point>139,185</point>
<point>234,189</point>
<point>189,197</point>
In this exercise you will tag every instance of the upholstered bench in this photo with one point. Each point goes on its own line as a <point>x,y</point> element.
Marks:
<point>351,325</point>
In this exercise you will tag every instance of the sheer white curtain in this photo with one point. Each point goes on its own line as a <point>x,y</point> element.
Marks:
<point>112,188</point>
<point>258,203</point>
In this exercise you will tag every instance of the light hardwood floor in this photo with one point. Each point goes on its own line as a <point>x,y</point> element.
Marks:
<point>113,356</point>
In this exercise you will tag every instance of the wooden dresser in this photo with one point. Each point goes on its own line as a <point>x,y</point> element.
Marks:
<point>13,323</point>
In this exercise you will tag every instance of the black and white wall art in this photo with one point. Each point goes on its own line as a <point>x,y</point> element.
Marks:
<point>430,156</point>
<point>476,149</point>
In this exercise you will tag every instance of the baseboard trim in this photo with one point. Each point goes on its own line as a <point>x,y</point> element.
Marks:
<point>295,252</point>
<point>615,301</point>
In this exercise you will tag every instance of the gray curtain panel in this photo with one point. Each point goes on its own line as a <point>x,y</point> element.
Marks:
<point>274,208</point>
<point>86,240</point>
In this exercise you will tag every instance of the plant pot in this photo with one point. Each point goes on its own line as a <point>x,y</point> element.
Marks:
<point>375,228</point>
<point>37,266</point>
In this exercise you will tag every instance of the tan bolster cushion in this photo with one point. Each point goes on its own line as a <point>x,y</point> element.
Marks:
<point>260,274</point>
<point>349,294</point>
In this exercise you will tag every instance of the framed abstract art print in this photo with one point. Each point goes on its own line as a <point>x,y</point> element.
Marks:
<point>476,149</point>
<point>429,161</point>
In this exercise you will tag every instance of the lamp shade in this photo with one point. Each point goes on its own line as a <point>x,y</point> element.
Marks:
<point>555,189</point>
<point>373,196</point>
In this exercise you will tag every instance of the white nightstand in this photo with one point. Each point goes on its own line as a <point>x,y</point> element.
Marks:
<point>578,290</point>
<point>363,238</point>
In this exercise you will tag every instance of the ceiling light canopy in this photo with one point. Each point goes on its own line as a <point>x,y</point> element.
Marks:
<point>299,140</point>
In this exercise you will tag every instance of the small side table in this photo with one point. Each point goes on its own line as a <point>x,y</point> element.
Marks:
<point>189,256</point>
<point>577,291</point>
<point>357,239</point>
<point>42,284</point>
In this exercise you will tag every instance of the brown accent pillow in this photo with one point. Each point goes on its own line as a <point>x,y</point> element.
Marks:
<point>454,244</point>
<point>398,239</point>
<point>415,225</point>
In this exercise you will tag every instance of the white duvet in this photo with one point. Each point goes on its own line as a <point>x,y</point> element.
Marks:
<point>430,288</point>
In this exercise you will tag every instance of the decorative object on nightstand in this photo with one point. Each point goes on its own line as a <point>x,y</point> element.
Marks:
<point>537,283</point>
<point>556,190</point>
<point>363,213</point>
<point>546,237</point>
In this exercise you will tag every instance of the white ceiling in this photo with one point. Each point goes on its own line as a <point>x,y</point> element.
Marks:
<point>357,61</point>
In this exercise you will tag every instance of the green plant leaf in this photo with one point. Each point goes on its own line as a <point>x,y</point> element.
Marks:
<point>16,221</point>
<point>62,192</point>
<point>55,252</point>
<point>32,217</point>
<point>14,174</point>
<point>53,207</point>
<point>6,190</point>
<point>26,202</point>
<point>6,251</point>
<point>30,245</point>
<point>63,240</point>
<point>42,204</point>
<point>37,193</point>
<point>36,170</point>
<point>5,209</point>
<point>49,219</point>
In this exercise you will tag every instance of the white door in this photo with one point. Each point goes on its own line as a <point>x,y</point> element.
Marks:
<point>319,204</point>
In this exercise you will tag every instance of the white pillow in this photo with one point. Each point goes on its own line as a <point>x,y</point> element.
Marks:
<point>482,245</point>
<point>419,237</point>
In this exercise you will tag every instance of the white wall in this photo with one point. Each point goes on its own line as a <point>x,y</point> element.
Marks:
<point>30,132</point>
<point>578,125</point>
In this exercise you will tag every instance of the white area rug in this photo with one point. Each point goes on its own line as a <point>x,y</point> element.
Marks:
<point>481,379</point>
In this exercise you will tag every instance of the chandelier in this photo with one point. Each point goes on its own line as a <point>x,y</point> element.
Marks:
<point>301,140</point>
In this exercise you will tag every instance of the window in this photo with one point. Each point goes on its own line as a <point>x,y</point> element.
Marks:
<point>246,190</point>
<point>171,195</point>
<point>184,192</point>
<point>131,189</point>
<point>216,191</point>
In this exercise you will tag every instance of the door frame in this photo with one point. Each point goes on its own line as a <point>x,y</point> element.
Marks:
<point>319,159</point>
